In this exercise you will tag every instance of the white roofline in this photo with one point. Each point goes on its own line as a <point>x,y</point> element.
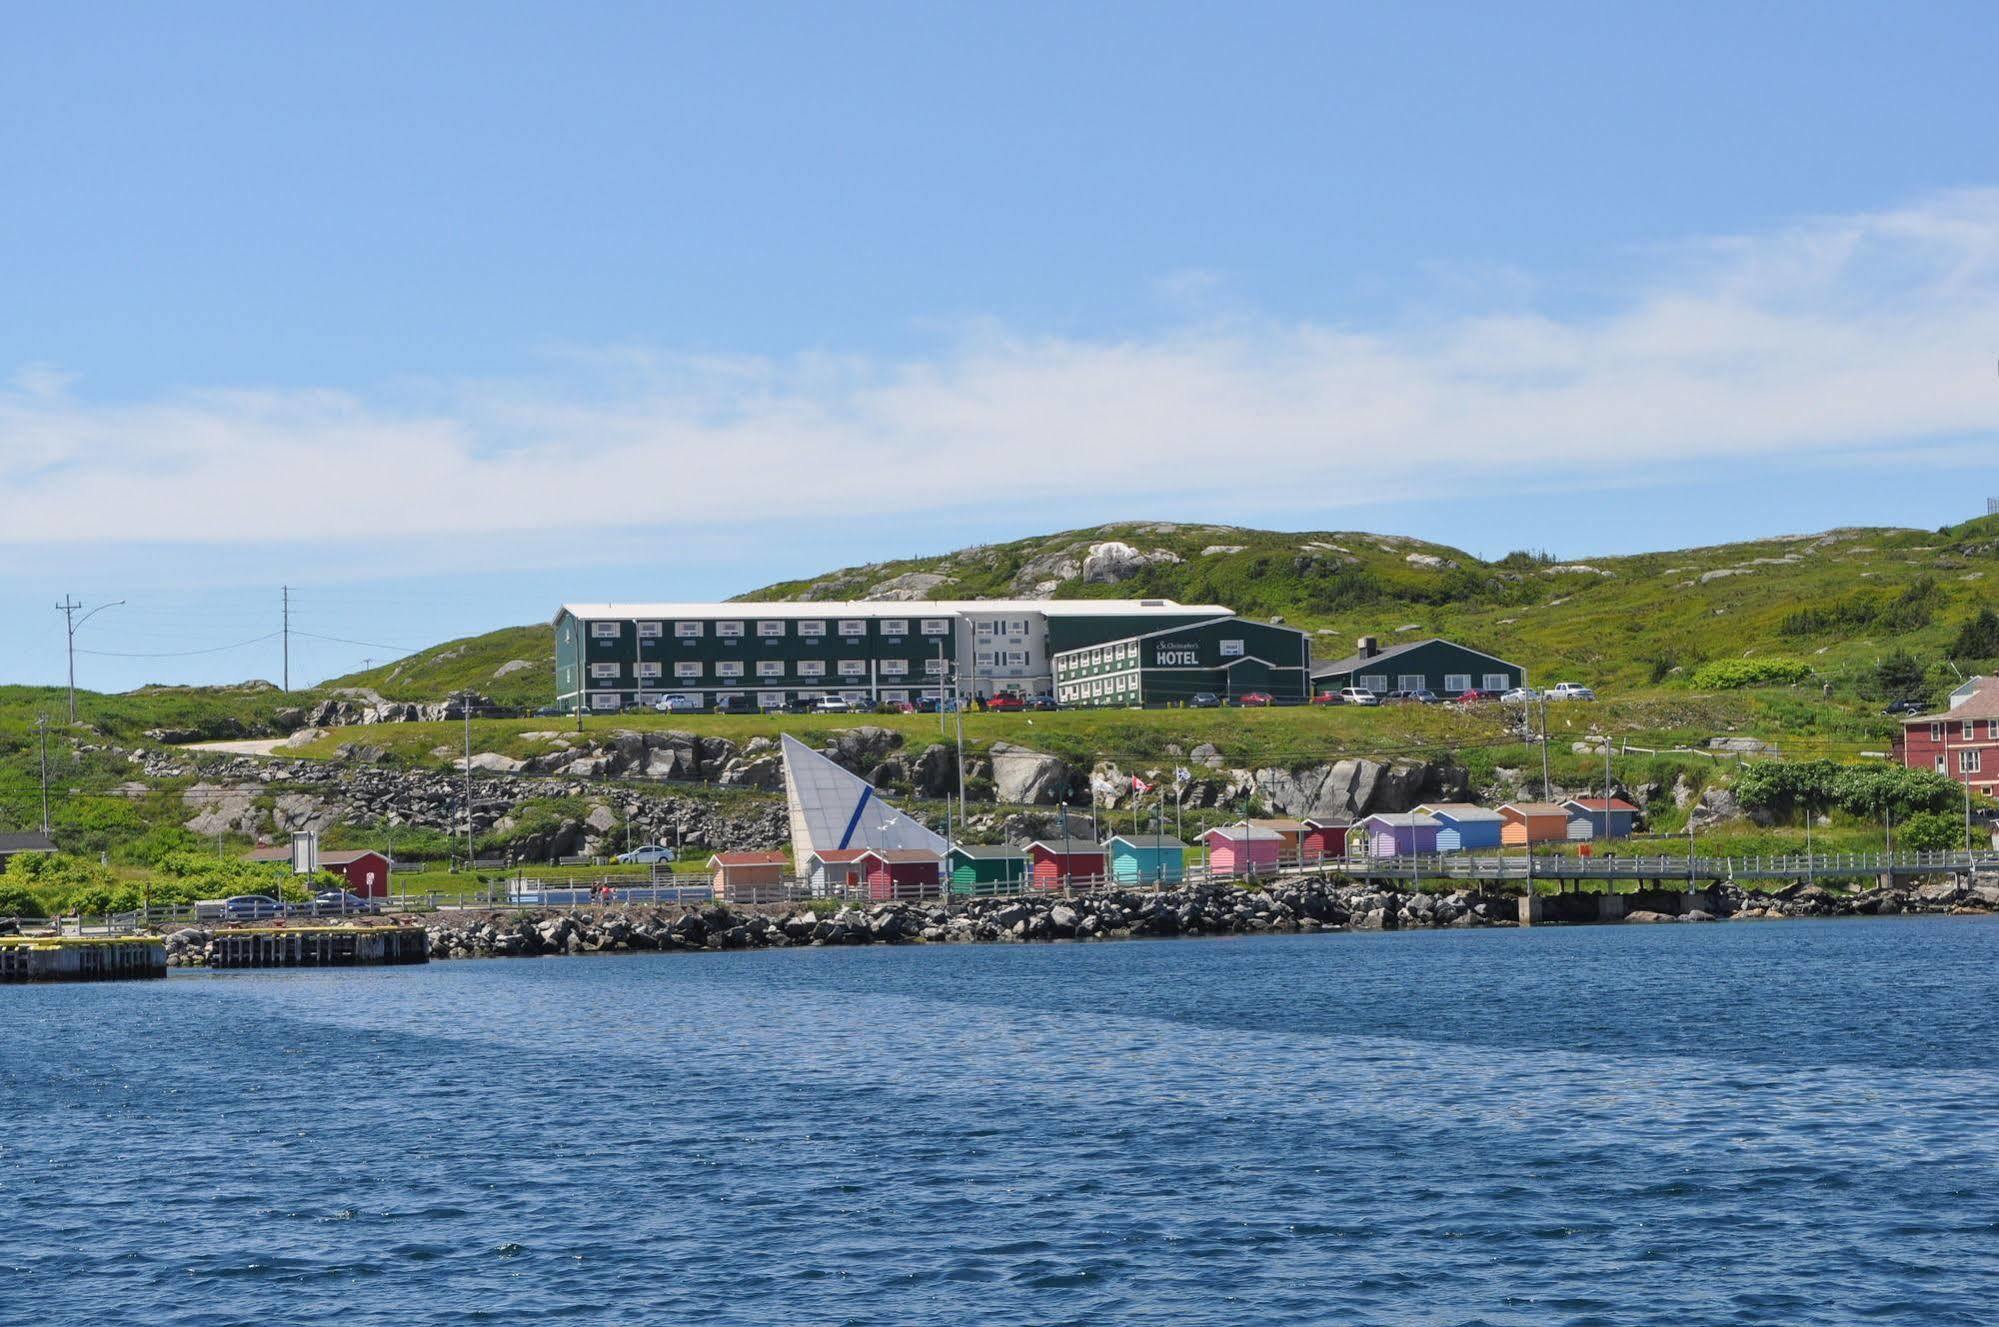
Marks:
<point>877,608</point>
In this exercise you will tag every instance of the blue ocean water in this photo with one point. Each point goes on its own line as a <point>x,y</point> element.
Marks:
<point>1783,1123</point>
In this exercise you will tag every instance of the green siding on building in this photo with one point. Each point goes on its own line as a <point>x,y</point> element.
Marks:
<point>1228,657</point>
<point>1442,666</point>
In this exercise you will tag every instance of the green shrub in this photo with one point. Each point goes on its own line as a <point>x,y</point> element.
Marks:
<point>19,901</point>
<point>1978,638</point>
<point>1931,831</point>
<point>1861,790</point>
<point>1730,674</point>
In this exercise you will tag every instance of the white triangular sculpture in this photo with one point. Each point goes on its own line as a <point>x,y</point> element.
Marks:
<point>833,808</point>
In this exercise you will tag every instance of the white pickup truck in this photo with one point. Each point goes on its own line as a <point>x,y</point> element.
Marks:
<point>1571,691</point>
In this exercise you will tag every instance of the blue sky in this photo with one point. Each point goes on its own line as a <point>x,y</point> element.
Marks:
<point>443,314</point>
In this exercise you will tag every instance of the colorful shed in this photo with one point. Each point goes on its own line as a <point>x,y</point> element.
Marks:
<point>1242,850</point>
<point>1147,859</point>
<point>902,873</point>
<point>1059,863</point>
<point>836,872</point>
<point>1533,822</point>
<point>1291,831</point>
<point>366,871</point>
<point>1404,834</point>
<point>1325,838</point>
<point>1463,826</point>
<point>1608,818</point>
<point>987,868</point>
<point>748,877</point>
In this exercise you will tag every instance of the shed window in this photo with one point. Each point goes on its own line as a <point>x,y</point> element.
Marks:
<point>602,630</point>
<point>688,628</point>
<point>767,627</point>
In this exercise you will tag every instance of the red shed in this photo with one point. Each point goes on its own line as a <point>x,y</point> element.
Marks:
<point>366,870</point>
<point>902,873</point>
<point>1059,863</point>
<point>1325,838</point>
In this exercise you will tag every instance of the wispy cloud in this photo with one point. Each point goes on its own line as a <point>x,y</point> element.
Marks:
<point>1868,335</point>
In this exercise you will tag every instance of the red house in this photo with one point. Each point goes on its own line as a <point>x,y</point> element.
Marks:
<point>1962,741</point>
<point>902,873</point>
<point>366,870</point>
<point>1060,863</point>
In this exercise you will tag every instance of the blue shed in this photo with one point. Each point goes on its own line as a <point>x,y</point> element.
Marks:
<point>1607,817</point>
<point>1463,826</point>
<point>1138,859</point>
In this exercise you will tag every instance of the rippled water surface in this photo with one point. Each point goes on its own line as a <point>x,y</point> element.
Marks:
<point>1789,1123</point>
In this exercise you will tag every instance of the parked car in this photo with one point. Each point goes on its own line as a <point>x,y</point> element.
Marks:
<point>831,705</point>
<point>251,907</point>
<point>1326,698</point>
<point>1006,702</point>
<point>1520,696</point>
<point>1358,696</point>
<point>1256,699</point>
<point>1571,691</point>
<point>339,902</point>
<point>931,704</point>
<point>677,705</point>
<point>736,705</point>
<point>1411,696</point>
<point>646,855</point>
<point>1043,703</point>
<point>1475,697</point>
<point>550,712</point>
<point>1204,700</point>
<point>1905,707</point>
<point>895,707</point>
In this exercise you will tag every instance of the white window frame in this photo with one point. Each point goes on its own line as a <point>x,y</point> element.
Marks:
<point>1498,682</point>
<point>606,630</point>
<point>933,667</point>
<point>1936,732</point>
<point>603,670</point>
<point>769,626</point>
<point>650,630</point>
<point>854,697</point>
<point>1375,682</point>
<point>936,626</point>
<point>895,668</point>
<point>648,669</point>
<point>731,629</point>
<point>604,700</point>
<point>986,627</point>
<point>853,626</point>
<point>1014,659</point>
<point>812,668</point>
<point>1969,762</point>
<point>768,699</point>
<point>728,668</point>
<point>984,659</point>
<point>853,668</point>
<point>1970,732</point>
<point>1456,684</point>
<point>770,668</point>
<point>687,668</point>
<point>895,695</point>
<point>895,626</point>
<point>811,627</point>
<point>688,630</point>
<point>1418,681</point>
<point>1233,649</point>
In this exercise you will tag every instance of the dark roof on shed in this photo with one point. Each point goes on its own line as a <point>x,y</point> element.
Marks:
<point>988,852</point>
<point>345,857</point>
<point>1355,662</point>
<point>30,841</point>
<point>1158,842</point>
<point>1070,847</point>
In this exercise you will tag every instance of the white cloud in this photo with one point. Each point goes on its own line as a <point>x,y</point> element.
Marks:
<point>1873,335</point>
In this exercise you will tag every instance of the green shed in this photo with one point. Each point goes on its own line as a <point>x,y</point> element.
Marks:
<point>987,868</point>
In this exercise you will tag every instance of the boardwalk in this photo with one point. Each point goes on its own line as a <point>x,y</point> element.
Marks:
<point>1797,868</point>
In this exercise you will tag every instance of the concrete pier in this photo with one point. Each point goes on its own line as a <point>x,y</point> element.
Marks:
<point>28,958</point>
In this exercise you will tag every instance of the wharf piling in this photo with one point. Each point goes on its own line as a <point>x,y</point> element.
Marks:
<point>318,946</point>
<point>33,958</point>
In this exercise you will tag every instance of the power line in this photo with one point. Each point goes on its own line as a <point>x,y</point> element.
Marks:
<point>180,654</point>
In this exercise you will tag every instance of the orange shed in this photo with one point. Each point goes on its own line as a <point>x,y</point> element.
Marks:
<point>749,877</point>
<point>1533,822</point>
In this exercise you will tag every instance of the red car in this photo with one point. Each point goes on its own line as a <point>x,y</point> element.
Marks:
<point>1006,702</point>
<point>1326,698</point>
<point>1256,699</point>
<point>1475,696</point>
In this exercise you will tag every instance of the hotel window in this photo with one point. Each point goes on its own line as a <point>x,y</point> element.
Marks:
<point>895,626</point>
<point>648,670</point>
<point>987,628</point>
<point>895,667</point>
<point>984,659</point>
<point>603,630</point>
<point>649,630</point>
<point>1455,684</point>
<point>687,668</point>
<point>729,668</point>
<point>1015,659</point>
<point>605,701</point>
<point>770,700</point>
<point>603,670</point>
<point>728,628</point>
<point>895,695</point>
<point>1498,682</point>
<point>936,626</point>
<point>770,628</point>
<point>853,667</point>
<point>1232,649</point>
<point>812,668</point>
<point>1016,628</point>
<point>770,668</point>
<point>853,627</point>
<point>685,629</point>
<point>933,666</point>
<point>811,628</point>
<point>1968,761</point>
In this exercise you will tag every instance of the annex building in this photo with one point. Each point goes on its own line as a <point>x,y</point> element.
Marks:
<point>1224,656</point>
<point>767,655</point>
<point>1445,667</point>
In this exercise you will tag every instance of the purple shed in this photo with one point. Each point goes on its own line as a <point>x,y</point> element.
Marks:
<point>1401,835</point>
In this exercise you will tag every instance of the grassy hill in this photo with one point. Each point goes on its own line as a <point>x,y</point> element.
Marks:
<point>514,666</point>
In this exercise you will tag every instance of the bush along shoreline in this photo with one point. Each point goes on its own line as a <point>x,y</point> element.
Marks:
<point>1111,914</point>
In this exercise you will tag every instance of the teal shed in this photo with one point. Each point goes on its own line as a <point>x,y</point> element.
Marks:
<point>988,868</point>
<point>1144,859</point>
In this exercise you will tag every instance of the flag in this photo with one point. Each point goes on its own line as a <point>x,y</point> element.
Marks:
<point>1139,787</point>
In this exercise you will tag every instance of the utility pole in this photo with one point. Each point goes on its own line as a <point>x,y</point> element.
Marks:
<point>42,729</point>
<point>286,631</point>
<point>465,701</point>
<point>70,623</point>
<point>1545,782</point>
